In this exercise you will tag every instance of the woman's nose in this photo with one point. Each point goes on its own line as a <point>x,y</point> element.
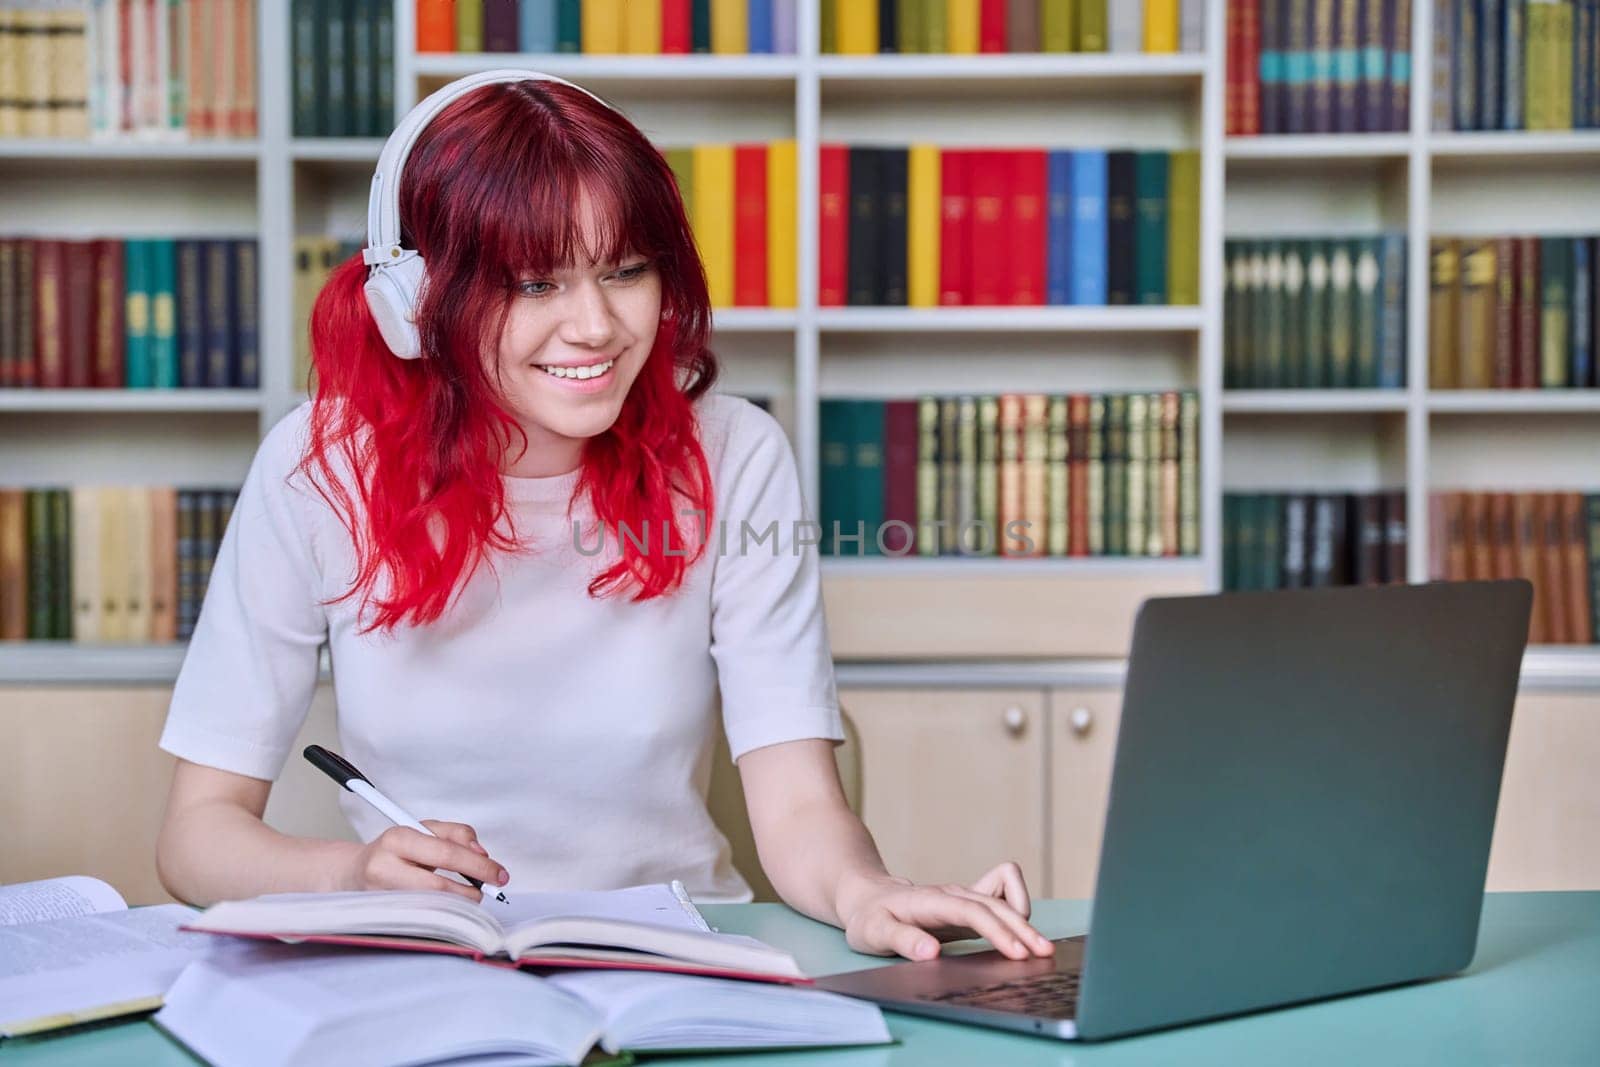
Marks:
<point>589,320</point>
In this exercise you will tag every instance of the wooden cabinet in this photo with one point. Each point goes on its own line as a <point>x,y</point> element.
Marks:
<point>1083,739</point>
<point>952,780</point>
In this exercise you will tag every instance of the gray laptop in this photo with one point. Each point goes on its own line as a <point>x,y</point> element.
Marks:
<point>1301,804</point>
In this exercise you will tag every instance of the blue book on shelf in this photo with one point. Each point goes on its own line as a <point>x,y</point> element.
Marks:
<point>1270,71</point>
<point>536,26</point>
<point>191,292</point>
<point>221,286</point>
<point>1089,226</point>
<point>1491,16</point>
<point>136,289</point>
<point>245,370</point>
<point>784,27</point>
<point>1513,53</point>
<point>1392,311</point>
<point>1582,369</point>
<point>760,27</point>
<point>163,314</point>
<point>1058,234</point>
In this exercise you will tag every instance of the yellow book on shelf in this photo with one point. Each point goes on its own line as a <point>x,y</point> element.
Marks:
<point>10,75</point>
<point>113,563</point>
<point>1183,228</point>
<point>922,226</point>
<point>783,184</point>
<point>601,27</point>
<point>641,30</point>
<point>713,218</point>
<point>857,28</point>
<point>1160,25</point>
<point>469,25</point>
<point>136,570</point>
<point>86,595</point>
<point>730,27</point>
<point>961,21</point>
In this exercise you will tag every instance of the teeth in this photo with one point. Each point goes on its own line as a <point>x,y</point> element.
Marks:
<point>579,373</point>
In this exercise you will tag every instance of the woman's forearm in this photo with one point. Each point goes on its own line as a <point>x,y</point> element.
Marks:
<point>821,854</point>
<point>216,850</point>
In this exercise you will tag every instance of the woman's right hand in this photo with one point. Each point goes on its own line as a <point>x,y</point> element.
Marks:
<point>402,858</point>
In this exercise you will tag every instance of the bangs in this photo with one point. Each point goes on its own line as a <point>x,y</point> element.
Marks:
<point>544,231</point>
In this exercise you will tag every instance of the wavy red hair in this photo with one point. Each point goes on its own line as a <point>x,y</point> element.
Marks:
<point>487,197</point>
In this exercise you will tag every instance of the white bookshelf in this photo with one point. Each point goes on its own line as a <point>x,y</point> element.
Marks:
<point>1417,182</point>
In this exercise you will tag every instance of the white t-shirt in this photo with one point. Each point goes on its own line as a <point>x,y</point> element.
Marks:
<point>575,734</point>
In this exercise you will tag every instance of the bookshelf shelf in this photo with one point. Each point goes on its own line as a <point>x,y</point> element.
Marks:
<point>131,151</point>
<point>1118,319</point>
<point>1322,401</point>
<point>132,401</point>
<point>754,320</point>
<point>680,72</point>
<point>956,567</point>
<point>337,149</point>
<point>1101,72</point>
<point>1452,147</point>
<point>1514,401</point>
<point>1302,150</point>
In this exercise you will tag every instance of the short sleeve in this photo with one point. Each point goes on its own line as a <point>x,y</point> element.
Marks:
<point>768,634</point>
<point>250,673</point>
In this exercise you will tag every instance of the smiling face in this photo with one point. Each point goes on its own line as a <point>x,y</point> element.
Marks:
<point>573,343</point>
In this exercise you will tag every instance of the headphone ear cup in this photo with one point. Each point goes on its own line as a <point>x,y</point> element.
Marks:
<point>393,292</point>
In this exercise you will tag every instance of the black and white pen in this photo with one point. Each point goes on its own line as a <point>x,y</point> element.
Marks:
<point>344,772</point>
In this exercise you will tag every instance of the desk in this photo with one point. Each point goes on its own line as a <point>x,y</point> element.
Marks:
<point>1532,996</point>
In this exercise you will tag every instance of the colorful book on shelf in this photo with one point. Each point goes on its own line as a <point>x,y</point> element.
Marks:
<point>1291,540</point>
<point>988,27</point>
<point>607,27</point>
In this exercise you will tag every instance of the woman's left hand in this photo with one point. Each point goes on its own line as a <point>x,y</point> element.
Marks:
<point>883,915</point>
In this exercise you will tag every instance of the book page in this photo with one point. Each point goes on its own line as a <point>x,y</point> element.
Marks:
<point>66,967</point>
<point>57,898</point>
<point>655,905</point>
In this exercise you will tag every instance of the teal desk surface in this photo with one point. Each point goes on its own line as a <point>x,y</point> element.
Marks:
<point>1531,996</point>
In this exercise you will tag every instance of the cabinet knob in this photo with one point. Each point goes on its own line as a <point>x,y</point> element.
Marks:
<point>1016,720</point>
<point>1081,719</point>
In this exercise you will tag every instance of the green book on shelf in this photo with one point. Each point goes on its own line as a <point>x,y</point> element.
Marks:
<point>1092,25</point>
<point>828,27</point>
<point>1269,541</point>
<point>1135,469</point>
<point>335,72</point>
<point>967,476</point>
<point>988,505</point>
<point>700,26</point>
<point>1555,317</point>
<point>909,26</point>
<point>1256,372</point>
<point>1248,528</point>
<point>1096,476</point>
<point>1230,542</point>
<point>1115,519</point>
<point>1341,315</point>
<point>1150,227</point>
<point>136,267</point>
<point>359,59</point>
<point>163,357</point>
<point>866,441</point>
<point>469,25</point>
<point>1548,71</point>
<point>1058,443</point>
<point>1183,228</point>
<point>1189,474</point>
<point>949,461</point>
<point>1269,370</point>
<point>59,502</point>
<point>833,446</point>
<point>1292,365</point>
<point>681,160</point>
<point>41,591</point>
<point>569,26</point>
<point>1314,331</point>
<point>1364,327</point>
<point>936,26</point>
<point>927,475</point>
<point>303,33</point>
<point>1055,25</point>
<point>1236,316</point>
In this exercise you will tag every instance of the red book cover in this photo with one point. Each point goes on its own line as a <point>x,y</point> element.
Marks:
<point>49,307</point>
<point>992,26</point>
<point>201,119</point>
<point>244,65</point>
<point>1029,188</point>
<point>899,475</point>
<point>77,313</point>
<point>1078,475</point>
<point>990,179</point>
<point>833,224</point>
<point>750,225</point>
<point>436,25</point>
<point>1525,369</point>
<point>1505,286</point>
<point>955,227</point>
<point>1547,506</point>
<point>675,27</point>
<point>110,335</point>
<point>1249,69</point>
<point>1231,81</point>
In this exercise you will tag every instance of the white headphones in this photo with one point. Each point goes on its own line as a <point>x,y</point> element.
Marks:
<point>394,282</point>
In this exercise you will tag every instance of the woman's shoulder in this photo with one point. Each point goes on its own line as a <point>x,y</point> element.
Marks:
<point>728,420</point>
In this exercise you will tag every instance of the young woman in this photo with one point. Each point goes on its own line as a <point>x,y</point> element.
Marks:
<point>544,556</point>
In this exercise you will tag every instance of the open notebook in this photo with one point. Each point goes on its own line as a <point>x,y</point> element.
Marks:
<point>648,927</point>
<point>270,1005</point>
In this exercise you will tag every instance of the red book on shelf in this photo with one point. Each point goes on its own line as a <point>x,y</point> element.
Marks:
<point>1503,363</point>
<point>110,297</point>
<point>992,26</point>
<point>899,475</point>
<point>49,311</point>
<point>1077,475</point>
<point>675,27</point>
<point>1552,537</point>
<point>1525,369</point>
<point>991,182</point>
<point>955,227</point>
<point>436,25</point>
<point>1026,219</point>
<point>833,224</point>
<point>244,69</point>
<point>750,225</point>
<point>1528,537</point>
<point>77,313</point>
<point>1244,74</point>
<point>201,117</point>
<point>1575,553</point>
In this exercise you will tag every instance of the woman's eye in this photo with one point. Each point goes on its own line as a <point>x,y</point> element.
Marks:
<point>630,273</point>
<point>532,288</point>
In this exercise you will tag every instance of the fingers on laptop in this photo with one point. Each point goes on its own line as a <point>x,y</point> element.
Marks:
<point>1005,880</point>
<point>952,912</point>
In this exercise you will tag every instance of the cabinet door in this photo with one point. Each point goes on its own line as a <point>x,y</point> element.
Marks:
<point>1083,738</point>
<point>952,780</point>
<point>1547,829</point>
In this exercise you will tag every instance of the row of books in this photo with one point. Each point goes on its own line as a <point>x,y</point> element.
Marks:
<point>1550,538</point>
<point>1513,312</point>
<point>1310,540</point>
<point>607,27</point>
<point>1315,313</point>
<point>343,80</point>
<point>742,205</point>
<point>1516,64</point>
<point>1011,475</point>
<point>155,69</point>
<point>1318,66</point>
<point>924,226</point>
<point>139,313</point>
<point>107,563</point>
<point>968,27</point>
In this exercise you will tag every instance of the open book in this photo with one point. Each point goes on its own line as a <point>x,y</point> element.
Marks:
<point>649,927</point>
<point>270,1005</point>
<point>71,952</point>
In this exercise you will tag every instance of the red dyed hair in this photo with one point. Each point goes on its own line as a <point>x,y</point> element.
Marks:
<point>487,197</point>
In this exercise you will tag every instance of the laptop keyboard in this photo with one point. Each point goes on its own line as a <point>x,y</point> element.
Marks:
<point>1049,996</point>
